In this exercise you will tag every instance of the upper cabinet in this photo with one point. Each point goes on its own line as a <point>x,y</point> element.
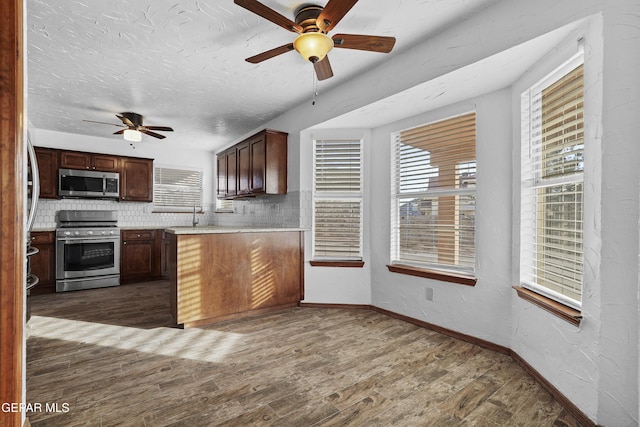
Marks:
<point>89,161</point>
<point>136,174</point>
<point>136,180</point>
<point>243,159</point>
<point>255,166</point>
<point>232,172</point>
<point>221,167</point>
<point>48,159</point>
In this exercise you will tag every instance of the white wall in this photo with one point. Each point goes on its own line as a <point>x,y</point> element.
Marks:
<point>618,391</point>
<point>330,284</point>
<point>567,355</point>
<point>602,376</point>
<point>480,311</point>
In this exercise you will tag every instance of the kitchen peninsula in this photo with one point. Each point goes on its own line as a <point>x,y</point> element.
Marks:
<point>218,273</point>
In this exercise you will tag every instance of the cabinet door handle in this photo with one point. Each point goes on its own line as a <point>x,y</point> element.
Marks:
<point>124,243</point>
<point>138,235</point>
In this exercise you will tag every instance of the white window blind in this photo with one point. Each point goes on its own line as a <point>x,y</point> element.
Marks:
<point>551,252</point>
<point>176,190</point>
<point>337,200</point>
<point>223,205</point>
<point>433,204</point>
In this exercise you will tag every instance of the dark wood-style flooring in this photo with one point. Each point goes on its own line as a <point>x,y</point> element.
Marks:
<point>114,358</point>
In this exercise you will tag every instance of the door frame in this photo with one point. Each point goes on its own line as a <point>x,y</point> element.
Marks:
<point>12,210</point>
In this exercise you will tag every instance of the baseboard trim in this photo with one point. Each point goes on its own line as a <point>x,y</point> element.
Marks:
<point>350,306</point>
<point>569,406</point>
<point>449,332</point>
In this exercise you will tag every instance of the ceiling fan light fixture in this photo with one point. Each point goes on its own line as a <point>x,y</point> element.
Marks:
<point>132,135</point>
<point>313,46</point>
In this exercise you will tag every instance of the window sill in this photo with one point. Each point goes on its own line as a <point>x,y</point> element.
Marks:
<point>568,314</point>
<point>356,264</point>
<point>460,279</point>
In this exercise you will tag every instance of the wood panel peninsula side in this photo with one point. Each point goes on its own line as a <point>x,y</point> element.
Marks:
<point>220,273</point>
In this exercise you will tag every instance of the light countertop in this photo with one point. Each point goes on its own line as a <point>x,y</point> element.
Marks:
<point>214,229</point>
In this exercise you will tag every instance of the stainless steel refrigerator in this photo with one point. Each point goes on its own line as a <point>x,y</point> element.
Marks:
<point>33,194</point>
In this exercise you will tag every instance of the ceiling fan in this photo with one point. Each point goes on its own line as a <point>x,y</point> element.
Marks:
<point>312,23</point>
<point>134,128</point>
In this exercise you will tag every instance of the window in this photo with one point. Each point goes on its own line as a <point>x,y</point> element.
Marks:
<point>433,203</point>
<point>223,205</point>
<point>176,190</point>
<point>551,252</point>
<point>337,200</point>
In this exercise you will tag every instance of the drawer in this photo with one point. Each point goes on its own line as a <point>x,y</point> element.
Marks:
<point>138,234</point>
<point>42,237</point>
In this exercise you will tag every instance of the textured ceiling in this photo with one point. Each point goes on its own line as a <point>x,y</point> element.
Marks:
<point>181,63</point>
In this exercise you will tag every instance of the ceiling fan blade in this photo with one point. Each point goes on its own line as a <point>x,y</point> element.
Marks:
<point>270,53</point>
<point>104,123</point>
<point>162,128</point>
<point>125,120</point>
<point>153,134</point>
<point>333,12</point>
<point>269,14</point>
<point>323,69</point>
<point>120,132</point>
<point>363,42</point>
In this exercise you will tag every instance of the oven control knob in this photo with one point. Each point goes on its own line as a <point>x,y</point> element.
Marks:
<point>67,233</point>
<point>77,233</point>
<point>89,233</point>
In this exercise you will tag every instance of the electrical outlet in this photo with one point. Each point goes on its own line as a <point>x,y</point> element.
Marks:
<point>429,293</point>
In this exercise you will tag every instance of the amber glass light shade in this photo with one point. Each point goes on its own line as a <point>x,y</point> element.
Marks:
<point>313,46</point>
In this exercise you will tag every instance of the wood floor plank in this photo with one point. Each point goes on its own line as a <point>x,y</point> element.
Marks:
<point>114,356</point>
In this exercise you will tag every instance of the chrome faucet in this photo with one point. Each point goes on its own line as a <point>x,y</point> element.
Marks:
<point>195,221</point>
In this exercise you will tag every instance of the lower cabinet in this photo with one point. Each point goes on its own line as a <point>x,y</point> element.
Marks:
<point>143,257</point>
<point>140,255</point>
<point>43,264</point>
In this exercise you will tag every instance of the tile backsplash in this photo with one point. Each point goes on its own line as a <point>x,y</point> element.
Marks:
<point>272,211</point>
<point>267,211</point>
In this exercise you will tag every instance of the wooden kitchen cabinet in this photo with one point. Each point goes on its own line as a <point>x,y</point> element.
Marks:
<point>136,174</point>
<point>136,179</point>
<point>106,163</point>
<point>48,160</point>
<point>269,162</point>
<point>89,161</point>
<point>232,173</point>
<point>221,168</point>
<point>139,256</point>
<point>43,264</point>
<point>243,167</point>
<point>255,166</point>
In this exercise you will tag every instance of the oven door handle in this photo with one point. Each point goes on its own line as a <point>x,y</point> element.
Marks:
<point>97,239</point>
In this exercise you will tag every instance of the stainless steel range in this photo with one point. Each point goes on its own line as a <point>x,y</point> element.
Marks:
<point>87,250</point>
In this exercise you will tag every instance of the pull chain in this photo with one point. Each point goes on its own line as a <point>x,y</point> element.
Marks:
<point>315,87</point>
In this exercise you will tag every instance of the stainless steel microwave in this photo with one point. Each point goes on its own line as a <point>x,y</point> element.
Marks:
<point>84,183</point>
